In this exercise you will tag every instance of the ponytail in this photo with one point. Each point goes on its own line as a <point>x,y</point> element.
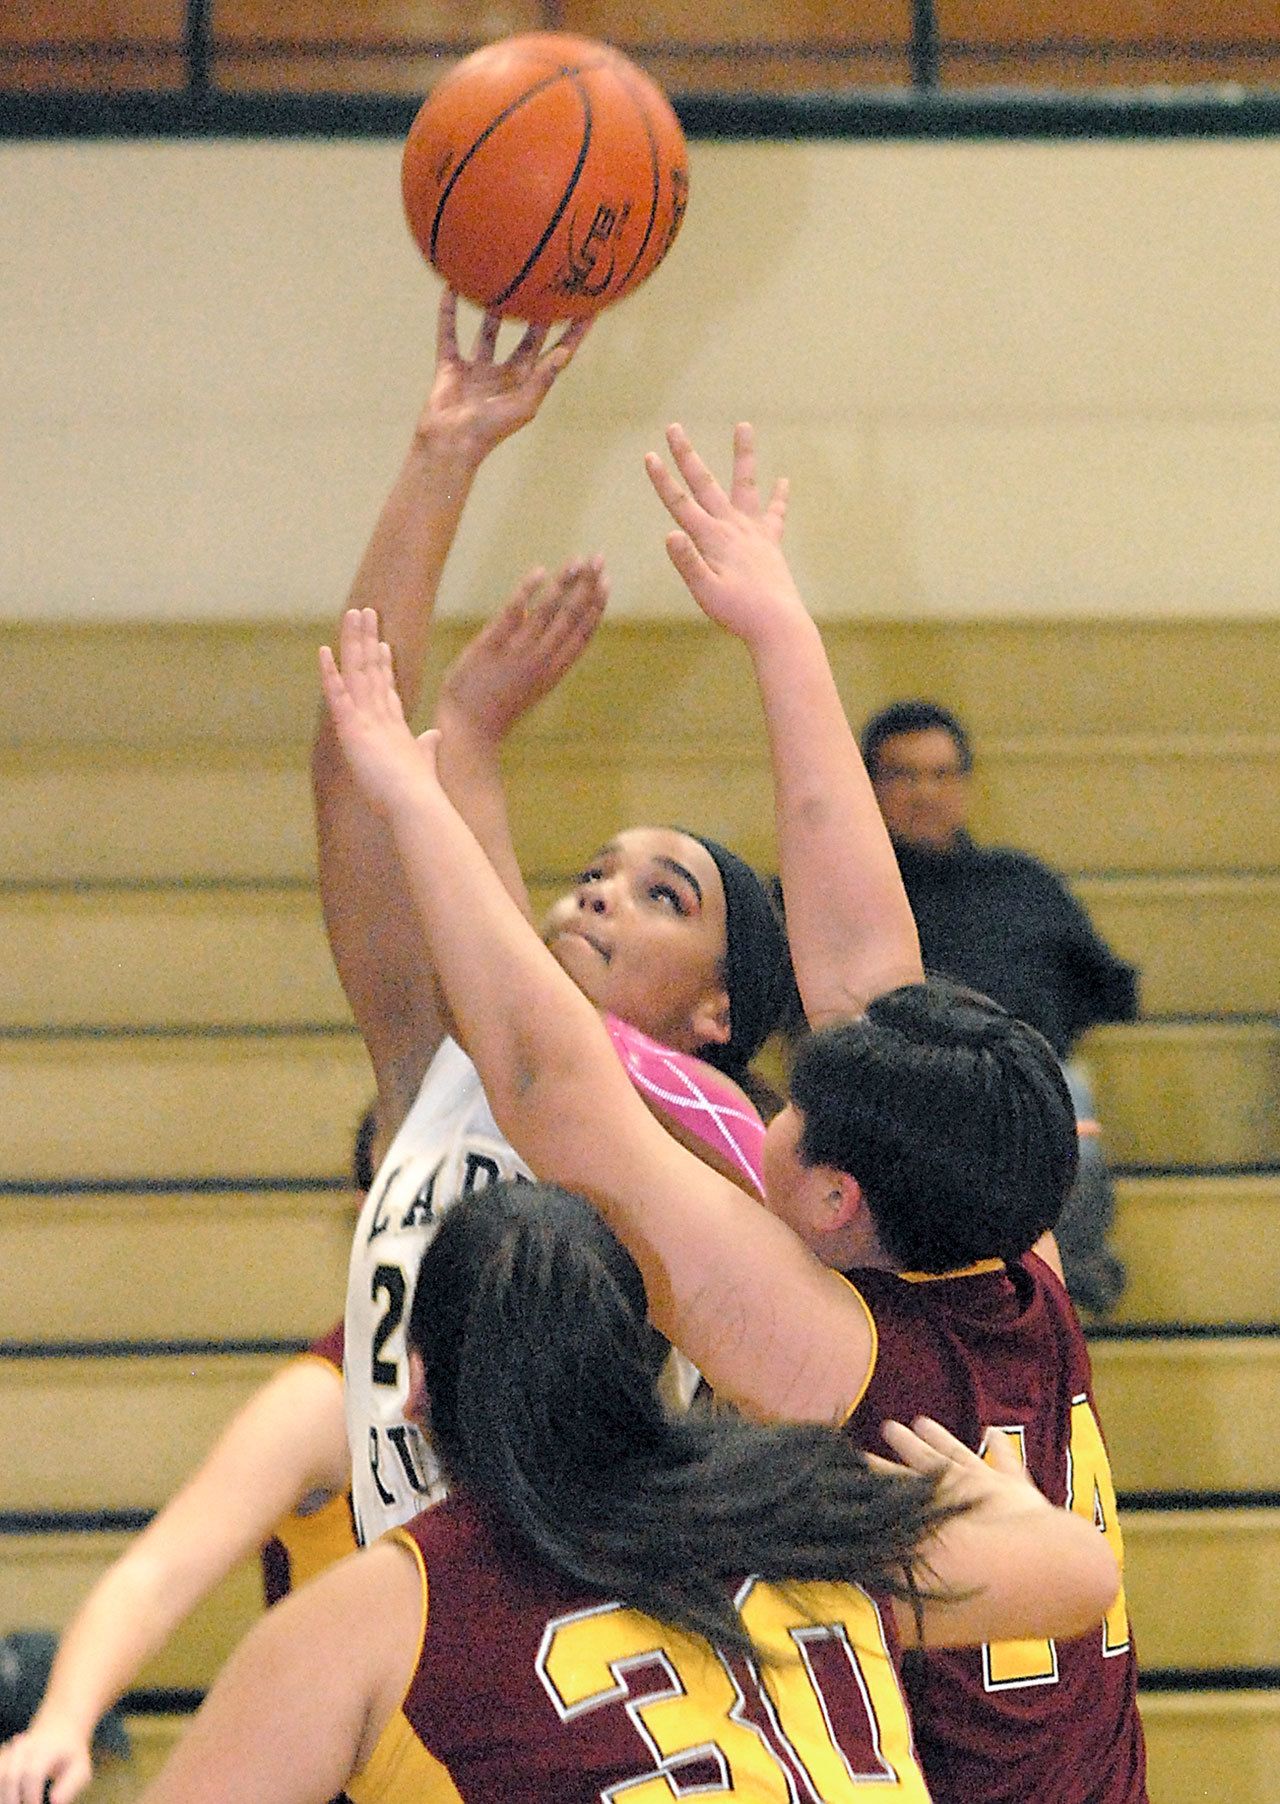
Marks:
<point>540,1364</point>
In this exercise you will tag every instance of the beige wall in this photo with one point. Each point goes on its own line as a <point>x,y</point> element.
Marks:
<point>1004,378</point>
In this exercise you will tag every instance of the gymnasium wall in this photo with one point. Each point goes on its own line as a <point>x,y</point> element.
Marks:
<point>1006,379</point>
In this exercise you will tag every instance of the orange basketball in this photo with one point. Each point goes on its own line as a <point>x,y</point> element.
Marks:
<point>545,177</point>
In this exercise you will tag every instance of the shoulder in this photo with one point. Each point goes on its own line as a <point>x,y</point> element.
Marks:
<point>707,1112</point>
<point>1013,863</point>
<point>1048,1285</point>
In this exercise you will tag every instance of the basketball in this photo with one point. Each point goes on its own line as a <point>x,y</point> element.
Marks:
<point>545,177</point>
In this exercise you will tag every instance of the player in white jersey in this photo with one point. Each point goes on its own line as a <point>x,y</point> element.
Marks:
<point>670,934</point>
<point>448,1145</point>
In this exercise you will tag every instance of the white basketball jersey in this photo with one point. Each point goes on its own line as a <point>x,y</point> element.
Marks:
<point>448,1145</point>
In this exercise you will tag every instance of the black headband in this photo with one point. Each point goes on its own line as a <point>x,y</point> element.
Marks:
<point>757,962</point>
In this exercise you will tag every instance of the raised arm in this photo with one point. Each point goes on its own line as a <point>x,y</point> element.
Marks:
<point>287,1442</point>
<point>376,938</point>
<point>727,1282</point>
<point>510,665</point>
<point>848,920</point>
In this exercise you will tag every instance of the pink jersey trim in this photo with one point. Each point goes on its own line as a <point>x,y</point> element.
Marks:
<point>695,1095</point>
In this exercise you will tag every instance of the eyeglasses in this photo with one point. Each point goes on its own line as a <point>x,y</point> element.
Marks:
<point>905,778</point>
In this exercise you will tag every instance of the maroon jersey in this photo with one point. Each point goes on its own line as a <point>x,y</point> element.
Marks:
<point>1000,1346</point>
<point>317,1534</point>
<point>529,1689</point>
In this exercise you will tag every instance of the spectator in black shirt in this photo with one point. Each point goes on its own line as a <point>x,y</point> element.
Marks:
<point>1003,923</point>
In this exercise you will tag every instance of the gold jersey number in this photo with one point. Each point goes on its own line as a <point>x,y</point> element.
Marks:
<point>1091,1494</point>
<point>823,1709</point>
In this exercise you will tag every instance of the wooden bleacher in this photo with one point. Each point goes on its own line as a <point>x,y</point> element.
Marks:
<point>180,1079</point>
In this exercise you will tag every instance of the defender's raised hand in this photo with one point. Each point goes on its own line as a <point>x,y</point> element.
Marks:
<point>386,760</point>
<point>727,547</point>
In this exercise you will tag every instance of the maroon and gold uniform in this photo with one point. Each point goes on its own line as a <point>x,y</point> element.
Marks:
<point>320,1532</point>
<point>1001,1346</point>
<point>528,1688</point>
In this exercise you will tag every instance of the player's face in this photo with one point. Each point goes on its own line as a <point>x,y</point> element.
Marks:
<point>642,933</point>
<point>922,790</point>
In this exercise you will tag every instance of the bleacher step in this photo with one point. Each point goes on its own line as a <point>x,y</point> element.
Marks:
<point>115,1432</point>
<point>136,956</point>
<point>1192,1413</point>
<point>1203,1587</point>
<point>243,812</point>
<point>181,1107</point>
<point>1204,945</point>
<point>1212,1747</point>
<point>1191,1094</point>
<point>1164,1226</point>
<point>148,1265</point>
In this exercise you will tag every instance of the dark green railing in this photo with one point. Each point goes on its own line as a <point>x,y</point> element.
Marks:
<point>922,106</point>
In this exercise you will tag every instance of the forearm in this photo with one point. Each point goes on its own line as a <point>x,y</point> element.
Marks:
<point>126,1618</point>
<point>400,572</point>
<point>850,925</point>
<point>471,774</point>
<point>379,955</point>
<point>524,1022</point>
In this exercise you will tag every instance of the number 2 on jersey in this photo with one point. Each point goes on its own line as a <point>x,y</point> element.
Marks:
<point>388,1282</point>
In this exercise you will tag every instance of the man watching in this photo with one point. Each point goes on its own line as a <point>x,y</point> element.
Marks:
<point>1002,922</point>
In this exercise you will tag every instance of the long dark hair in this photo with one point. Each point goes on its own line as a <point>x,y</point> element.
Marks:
<point>540,1364</point>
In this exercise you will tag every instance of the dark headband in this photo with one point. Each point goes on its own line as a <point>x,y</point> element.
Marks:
<point>757,963</point>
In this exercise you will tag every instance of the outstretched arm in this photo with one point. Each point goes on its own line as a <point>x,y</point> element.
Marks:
<point>288,1441</point>
<point>848,919</point>
<point>510,665</point>
<point>475,403</point>
<point>301,1703</point>
<point>727,1282</point>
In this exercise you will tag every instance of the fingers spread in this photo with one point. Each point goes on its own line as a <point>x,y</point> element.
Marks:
<point>743,492</point>
<point>910,1449</point>
<point>525,596</point>
<point>678,504</point>
<point>487,338</point>
<point>687,559</point>
<point>941,1439</point>
<point>927,1446</point>
<point>565,348</point>
<point>702,485</point>
<point>530,344</point>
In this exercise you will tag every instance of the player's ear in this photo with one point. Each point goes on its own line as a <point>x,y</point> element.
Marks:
<point>415,1404</point>
<point>711,1019</point>
<point>842,1199</point>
